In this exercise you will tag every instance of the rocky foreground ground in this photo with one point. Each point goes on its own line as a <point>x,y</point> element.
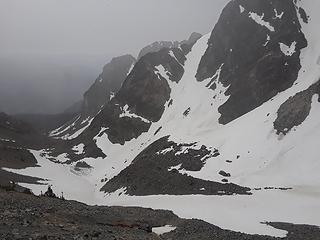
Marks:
<point>25,216</point>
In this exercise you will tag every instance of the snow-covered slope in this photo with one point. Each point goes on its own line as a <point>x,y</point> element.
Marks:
<point>213,136</point>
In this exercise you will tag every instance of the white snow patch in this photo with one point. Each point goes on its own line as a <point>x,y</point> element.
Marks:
<point>127,113</point>
<point>58,133</point>
<point>178,167</point>
<point>288,50</point>
<point>216,76</point>
<point>130,69</point>
<point>164,229</point>
<point>241,9</point>
<point>85,120</point>
<point>77,133</point>
<point>111,96</point>
<point>259,19</point>
<point>64,128</point>
<point>267,41</point>
<point>185,149</point>
<point>164,151</point>
<point>160,70</point>
<point>78,148</point>
<point>278,15</point>
<point>62,158</point>
<point>7,140</point>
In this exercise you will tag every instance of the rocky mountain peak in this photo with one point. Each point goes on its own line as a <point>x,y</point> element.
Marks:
<point>157,46</point>
<point>254,51</point>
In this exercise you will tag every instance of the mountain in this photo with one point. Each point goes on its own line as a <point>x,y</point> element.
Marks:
<point>107,83</point>
<point>222,129</point>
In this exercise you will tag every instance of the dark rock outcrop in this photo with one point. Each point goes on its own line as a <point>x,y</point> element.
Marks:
<point>10,180</point>
<point>246,45</point>
<point>16,158</point>
<point>107,84</point>
<point>145,91</point>
<point>154,171</point>
<point>296,109</point>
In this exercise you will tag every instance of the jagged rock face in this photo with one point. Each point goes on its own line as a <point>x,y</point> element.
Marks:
<point>255,47</point>
<point>157,46</point>
<point>144,94</point>
<point>296,109</point>
<point>108,83</point>
<point>144,90</point>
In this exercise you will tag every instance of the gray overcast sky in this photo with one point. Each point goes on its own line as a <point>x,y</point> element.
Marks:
<point>76,30</point>
<point>95,26</point>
